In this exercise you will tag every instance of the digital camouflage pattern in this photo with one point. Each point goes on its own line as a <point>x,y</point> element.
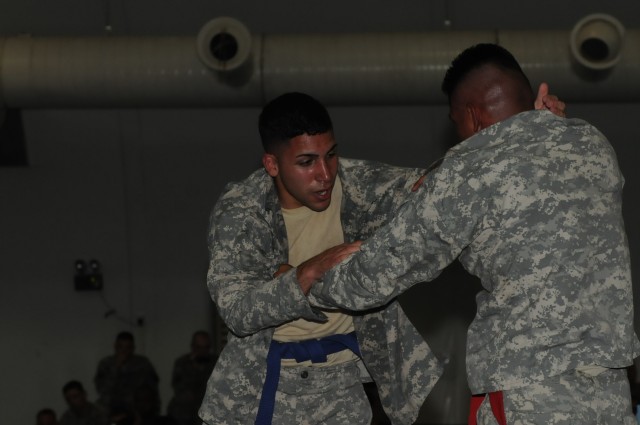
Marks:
<point>532,206</point>
<point>189,382</point>
<point>567,399</point>
<point>308,387</point>
<point>89,414</point>
<point>117,383</point>
<point>248,243</point>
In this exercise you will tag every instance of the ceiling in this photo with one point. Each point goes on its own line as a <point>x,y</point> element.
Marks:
<point>186,17</point>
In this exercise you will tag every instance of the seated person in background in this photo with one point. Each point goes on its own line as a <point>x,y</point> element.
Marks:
<point>531,203</point>
<point>81,411</point>
<point>189,380</point>
<point>118,376</point>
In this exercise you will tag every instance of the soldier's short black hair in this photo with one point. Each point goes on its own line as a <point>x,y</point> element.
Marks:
<point>72,385</point>
<point>473,58</point>
<point>45,412</point>
<point>198,333</point>
<point>291,115</point>
<point>125,336</point>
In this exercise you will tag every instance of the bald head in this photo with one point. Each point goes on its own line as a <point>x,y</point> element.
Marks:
<point>485,85</point>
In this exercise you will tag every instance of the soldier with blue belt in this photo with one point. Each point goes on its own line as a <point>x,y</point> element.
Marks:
<point>286,362</point>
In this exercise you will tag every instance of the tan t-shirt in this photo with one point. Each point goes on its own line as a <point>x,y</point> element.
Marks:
<point>309,233</point>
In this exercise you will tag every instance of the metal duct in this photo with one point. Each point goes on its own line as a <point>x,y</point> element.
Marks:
<point>113,72</point>
<point>224,44</point>
<point>226,66</point>
<point>596,42</point>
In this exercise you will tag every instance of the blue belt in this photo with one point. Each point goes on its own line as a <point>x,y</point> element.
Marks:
<point>315,350</point>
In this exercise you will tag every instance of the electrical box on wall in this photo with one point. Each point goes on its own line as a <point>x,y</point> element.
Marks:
<point>88,277</point>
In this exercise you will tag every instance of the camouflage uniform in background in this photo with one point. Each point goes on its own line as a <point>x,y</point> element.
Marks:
<point>117,385</point>
<point>189,382</point>
<point>90,414</point>
<point>533,207</point>
<point>248,243</point>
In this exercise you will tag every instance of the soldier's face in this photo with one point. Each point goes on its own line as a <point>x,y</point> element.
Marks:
<point>124,348</point>
<point>304,171</point>
<point>75,398</point>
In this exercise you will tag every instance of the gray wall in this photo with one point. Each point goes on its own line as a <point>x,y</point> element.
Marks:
<point>134,187</point>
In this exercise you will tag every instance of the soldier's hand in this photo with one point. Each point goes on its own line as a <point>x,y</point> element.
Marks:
<point>282,269</point>
<point>314,268</point>
<point>544,100</point>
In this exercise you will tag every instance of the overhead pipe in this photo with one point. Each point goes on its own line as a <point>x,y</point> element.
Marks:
<point>227,66</point>
<point>596,42</point>
<point>224,44</point>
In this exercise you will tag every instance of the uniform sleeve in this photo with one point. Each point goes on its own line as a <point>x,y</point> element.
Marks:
<point>374,192</point>
<point>393,185</point>
<point>427,234</point>
<point>147,373</point>
<point>105,378</point>
<point>239,279</point>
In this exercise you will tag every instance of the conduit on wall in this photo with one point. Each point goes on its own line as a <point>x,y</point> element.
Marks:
<point>226,66</point>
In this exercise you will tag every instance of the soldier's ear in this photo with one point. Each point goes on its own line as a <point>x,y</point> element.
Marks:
<point>474,116</point>
<point>270,164</point>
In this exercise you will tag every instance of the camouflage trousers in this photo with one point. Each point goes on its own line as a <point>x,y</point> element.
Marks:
<point>331,395</point>
<point>568,399</point>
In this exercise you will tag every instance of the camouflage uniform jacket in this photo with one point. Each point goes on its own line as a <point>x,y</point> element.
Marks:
<point>248,242</point>
<point>117,384</point>
<point>532,206</point>
<point>89,414</point>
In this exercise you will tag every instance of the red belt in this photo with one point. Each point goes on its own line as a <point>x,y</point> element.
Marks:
<point>497,407</point>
